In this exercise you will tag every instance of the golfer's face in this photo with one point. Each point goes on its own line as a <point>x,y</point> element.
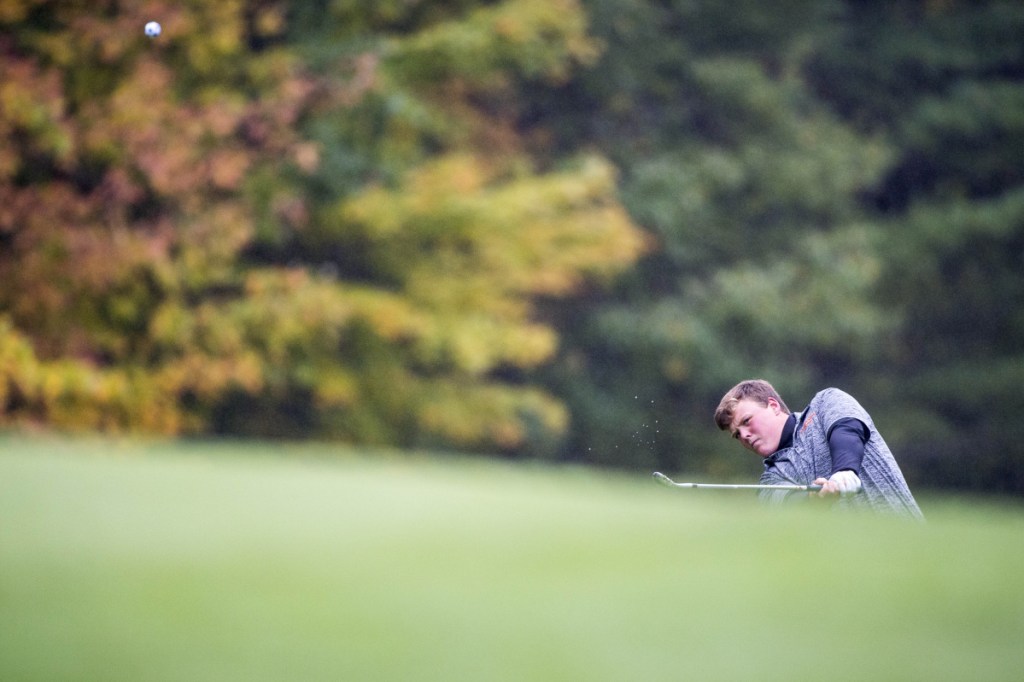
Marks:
<point>758,427</point>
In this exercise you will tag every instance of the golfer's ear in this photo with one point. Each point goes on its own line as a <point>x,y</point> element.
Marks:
<point>774,404</point>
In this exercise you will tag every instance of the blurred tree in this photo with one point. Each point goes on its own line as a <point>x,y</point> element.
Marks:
<point>955,276</point>
<point>834,190</point>
<point>766,265</point>
<point>123,179</point>
<point>397,222</point>
<point>945,83</point>
<point>303,221</point>
<point>432,207</point>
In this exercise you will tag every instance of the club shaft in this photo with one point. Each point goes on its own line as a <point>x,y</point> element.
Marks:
<point>662,478</point>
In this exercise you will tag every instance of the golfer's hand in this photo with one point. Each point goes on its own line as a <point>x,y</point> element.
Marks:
<point>839,483</point>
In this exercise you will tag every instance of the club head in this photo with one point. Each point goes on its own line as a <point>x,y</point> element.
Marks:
<point>662,478</point>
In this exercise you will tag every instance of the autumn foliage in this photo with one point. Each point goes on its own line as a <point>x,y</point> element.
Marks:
<point>540,228</point>
<point>177,254</point>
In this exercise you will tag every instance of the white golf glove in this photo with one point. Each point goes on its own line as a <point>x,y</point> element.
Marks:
<point>847,481</point>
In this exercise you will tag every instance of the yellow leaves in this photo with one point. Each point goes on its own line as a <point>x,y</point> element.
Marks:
<point>473,416</point>
<point>437,187</point>
<point>286,328</point>
<point>475,343</point>
<point>480,344</point>
<point>172,325</point>
<point>334,388</point>
<point>472,243</point>
<point>453,176</point>
<point>534,38</point>
<point>556,230</point>
<point>485,415</point>
<point>550,34</point>
<point>392,317</point>
<point>287,307</point>
<point>211,32</point>
<point>209,377</point>
<point>524,234</point>
<point>18,365</point>
<point>75,395</point>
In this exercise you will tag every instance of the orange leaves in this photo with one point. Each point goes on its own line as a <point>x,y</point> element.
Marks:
<point>152,191</point>
<point>32,110</point>
<point>65,252</point>
<point>179,148</point>
<point>124,165</point>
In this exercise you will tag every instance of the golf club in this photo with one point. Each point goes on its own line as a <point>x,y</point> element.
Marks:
<point>665,480</point>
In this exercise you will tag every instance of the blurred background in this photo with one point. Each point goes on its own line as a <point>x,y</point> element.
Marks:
<point>531,229</point>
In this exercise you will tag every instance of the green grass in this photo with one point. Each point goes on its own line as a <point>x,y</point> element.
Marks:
<point>253,562</point>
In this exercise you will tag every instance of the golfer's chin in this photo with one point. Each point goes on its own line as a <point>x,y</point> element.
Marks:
<point>763,449</point>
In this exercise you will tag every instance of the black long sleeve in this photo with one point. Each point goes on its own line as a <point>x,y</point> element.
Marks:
<point>846,443</point>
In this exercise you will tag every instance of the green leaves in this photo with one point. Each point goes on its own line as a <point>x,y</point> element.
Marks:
<point>757,144</point>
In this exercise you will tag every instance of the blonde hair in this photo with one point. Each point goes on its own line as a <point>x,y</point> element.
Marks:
<point>752,389</point>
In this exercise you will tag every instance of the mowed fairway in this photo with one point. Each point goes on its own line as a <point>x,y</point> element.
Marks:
<point>252,562</point>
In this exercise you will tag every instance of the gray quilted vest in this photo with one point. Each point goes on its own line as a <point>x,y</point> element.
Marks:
<point>884,488</point>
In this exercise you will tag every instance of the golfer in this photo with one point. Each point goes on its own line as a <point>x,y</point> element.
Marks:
<point>832,443</point>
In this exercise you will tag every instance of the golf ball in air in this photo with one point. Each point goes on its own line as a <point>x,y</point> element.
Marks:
<point>152,29</point>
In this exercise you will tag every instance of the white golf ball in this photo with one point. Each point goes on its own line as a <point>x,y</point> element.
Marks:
<point>152,29</point>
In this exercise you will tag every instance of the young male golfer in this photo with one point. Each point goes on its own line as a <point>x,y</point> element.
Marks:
<point>833,443</point>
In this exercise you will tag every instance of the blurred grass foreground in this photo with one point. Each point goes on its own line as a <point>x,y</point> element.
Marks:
<point>215,561</point>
